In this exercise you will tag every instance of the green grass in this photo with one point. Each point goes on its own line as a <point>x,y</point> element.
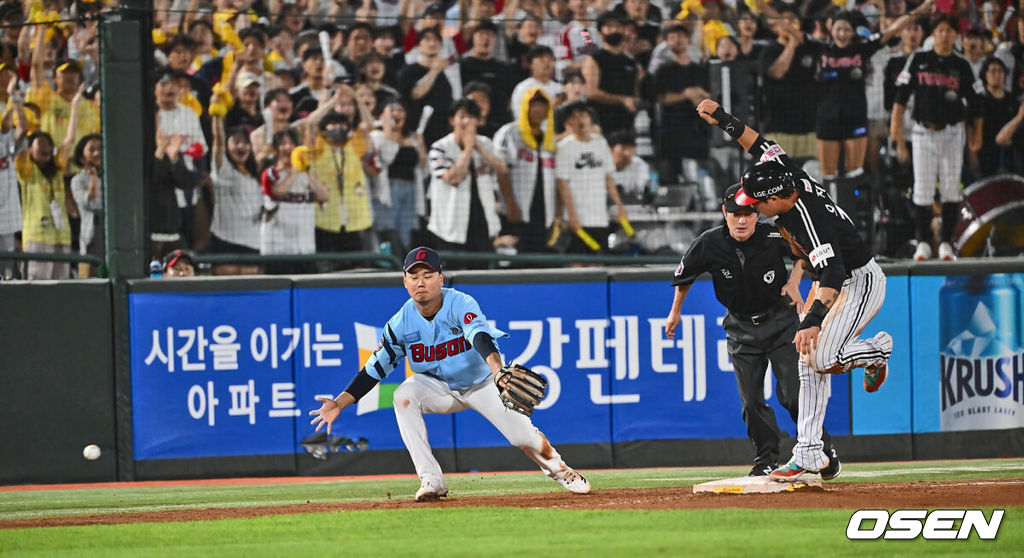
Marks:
<point>483,531</point>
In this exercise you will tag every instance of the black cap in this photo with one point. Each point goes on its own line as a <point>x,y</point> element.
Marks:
<point>422,255</point>
<point>729,201</point>
<point>173,256</point>
<point>764,180</point>
<point>434,9</point>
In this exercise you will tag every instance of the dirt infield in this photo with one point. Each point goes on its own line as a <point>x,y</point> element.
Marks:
<point>969,494</point>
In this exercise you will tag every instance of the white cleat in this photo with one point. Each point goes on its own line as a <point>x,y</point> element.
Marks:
<point>946,252</point>
<point>574,482</point>
<point>923,252</point>
<point>431,490</point>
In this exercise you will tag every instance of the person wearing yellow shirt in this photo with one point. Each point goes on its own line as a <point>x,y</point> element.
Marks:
<point>343,220</point>
<point>45,229</point>
<point>55,104</point>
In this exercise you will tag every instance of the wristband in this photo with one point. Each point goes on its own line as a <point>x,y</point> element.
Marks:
<point>361,384</point>
<point>815,315</point>
<point>728,123</point>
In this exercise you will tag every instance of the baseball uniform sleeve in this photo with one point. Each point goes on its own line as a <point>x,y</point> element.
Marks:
<point>467,313</point>
<point>439,159</point>
<point>692,264</point>
<point>389,352</point>
<point>506,148</point>
<point>825,256</point>
<point>904,81</point>
<point>765,149</point>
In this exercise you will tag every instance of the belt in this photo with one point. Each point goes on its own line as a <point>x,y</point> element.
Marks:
<point>935,127</point>
<point>758,319</point>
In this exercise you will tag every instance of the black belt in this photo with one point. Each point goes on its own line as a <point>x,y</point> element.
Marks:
<point>758,319</point>
<point>935,126</point>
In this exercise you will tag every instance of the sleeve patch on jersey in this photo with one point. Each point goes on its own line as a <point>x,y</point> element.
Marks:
<point>821,254</point>
<point>771,153</point>
<point>469,317</point>
<point>903,78</point>
<point>679,270</point>
<point>774,235</point>
<point>412,337</point>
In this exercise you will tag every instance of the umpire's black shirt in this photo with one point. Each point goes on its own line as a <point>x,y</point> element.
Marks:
<point>748,276</point>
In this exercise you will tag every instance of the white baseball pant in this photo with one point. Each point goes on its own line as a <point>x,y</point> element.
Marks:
<point>938,157</point>
<point>422,394</point>
<point>837,350</point>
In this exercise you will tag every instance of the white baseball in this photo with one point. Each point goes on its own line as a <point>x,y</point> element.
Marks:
<point>90,452</point>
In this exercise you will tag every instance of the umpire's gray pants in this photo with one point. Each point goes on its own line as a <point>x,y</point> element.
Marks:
<point>751,347</point>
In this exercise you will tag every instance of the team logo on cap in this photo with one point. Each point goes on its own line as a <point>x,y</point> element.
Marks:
<point>469,317</point>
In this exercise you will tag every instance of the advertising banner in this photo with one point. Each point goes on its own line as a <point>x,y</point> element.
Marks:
<point>212,373</point>
<point>969,352</point>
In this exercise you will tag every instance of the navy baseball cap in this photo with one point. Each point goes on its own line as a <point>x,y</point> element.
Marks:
<point>422,255</point>
<point>729,201</point>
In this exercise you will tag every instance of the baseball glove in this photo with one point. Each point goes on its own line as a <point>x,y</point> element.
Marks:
<point>520,388</point>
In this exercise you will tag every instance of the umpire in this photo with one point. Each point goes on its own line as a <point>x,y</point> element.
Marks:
<point>747,262</point>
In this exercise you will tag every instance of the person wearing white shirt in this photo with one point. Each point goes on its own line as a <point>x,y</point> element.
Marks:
<point>465,171</point>
<point>584,169</point>
<point>528,146</point>
<point>542,74</point>
<point>630,173</point>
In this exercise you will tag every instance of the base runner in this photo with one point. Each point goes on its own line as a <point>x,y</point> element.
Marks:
<point>450,347</point>
<point>850,288</point>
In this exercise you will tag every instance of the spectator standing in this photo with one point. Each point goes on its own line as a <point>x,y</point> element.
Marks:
<point>631,174</point>
<point>541,61</point>
<point>289,195</point>
<point>946,95</point>
<point>787,66</point>
<point>10,198</point>
<point>372,71</point>
<point>528,147</point>
<point>998,108</point>
<point>44,205</point>
<point>87,189</point>
<point>176,119</point>
<point>465,170</point>
<point>396,187</point>
<point>245,113</point>
<point>584,169</point>
<point>480,64</point>
<point>679,86</point>
<point>523,33</point>
<point>336,162</point>
<point>424,84</point>
<point>612,78</point>
<point>237,197</point>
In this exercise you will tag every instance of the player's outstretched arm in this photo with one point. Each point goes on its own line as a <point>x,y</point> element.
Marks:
<point>331,408</point>
<point>713,114</point>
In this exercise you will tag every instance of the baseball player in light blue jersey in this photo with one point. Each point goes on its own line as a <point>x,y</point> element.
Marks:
<point>450,348</point>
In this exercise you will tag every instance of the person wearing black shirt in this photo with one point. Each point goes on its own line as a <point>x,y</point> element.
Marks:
<point>480,65</point>
<point>612,78</point>
<point>945,95</point>
<point>842,115</point>
<point>424,84</point>
<point>679,86</point>
<point>787,67</point>
<point>997,108</point>
<point>747,263</point>
<point>849,291</point>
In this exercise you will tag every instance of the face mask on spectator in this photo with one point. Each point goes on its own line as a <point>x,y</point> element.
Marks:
<point>613,39</point>
<point>336,135</point>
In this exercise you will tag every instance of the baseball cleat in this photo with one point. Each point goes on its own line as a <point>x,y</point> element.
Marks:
<point>946,252</point>
<point>762,469</point>
<point>875,376</point>
<point>574,482</point>
<point>923,252</point>
<point>790,472</point>
<point>834,469</point>
<point>431,490</point>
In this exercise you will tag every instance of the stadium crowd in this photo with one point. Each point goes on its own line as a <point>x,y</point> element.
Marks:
<point>312,126</point>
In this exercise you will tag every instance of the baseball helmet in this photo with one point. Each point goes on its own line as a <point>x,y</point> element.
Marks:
<point>764,180</point>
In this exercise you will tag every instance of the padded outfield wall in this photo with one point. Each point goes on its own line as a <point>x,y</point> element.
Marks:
<point>218,375</point>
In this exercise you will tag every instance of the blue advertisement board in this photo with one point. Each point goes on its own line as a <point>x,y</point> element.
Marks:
<point>212,373</point>
<point>968,338</point>
<point>888,410</point>
<point>357,316</point>
<point>686,387</point>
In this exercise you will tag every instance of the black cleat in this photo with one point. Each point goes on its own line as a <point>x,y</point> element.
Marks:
<point>762,470</point>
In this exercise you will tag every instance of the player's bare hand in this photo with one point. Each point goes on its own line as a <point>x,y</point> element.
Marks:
<point>806,340</point>
<point>793,292</point>
<point>706,108</point>
<point>326,414</point>
<point>671,323</point>
<point>902,152</point>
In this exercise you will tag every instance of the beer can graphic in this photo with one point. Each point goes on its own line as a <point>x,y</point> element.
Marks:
<point>981,352</point>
